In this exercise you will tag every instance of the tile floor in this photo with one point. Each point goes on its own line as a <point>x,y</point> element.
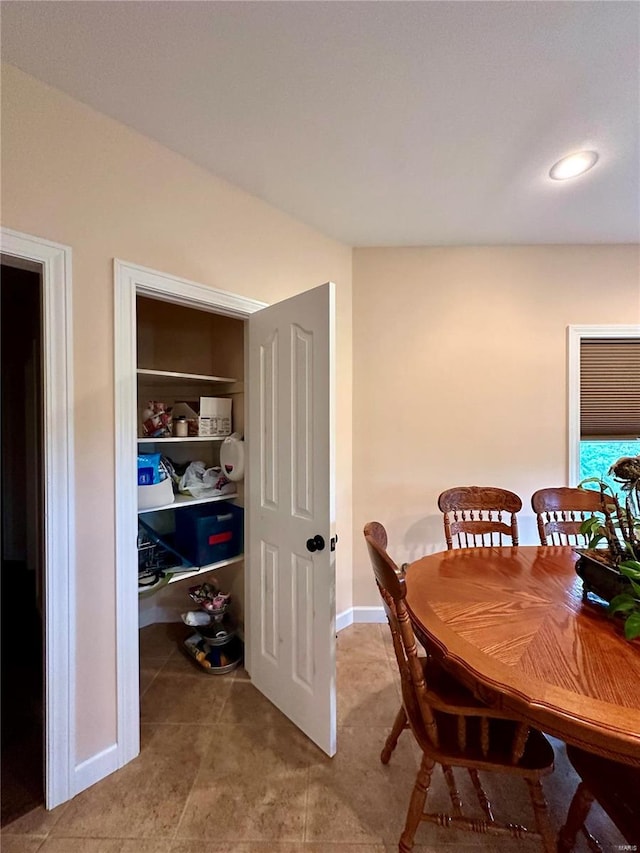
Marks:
<point>222,771</point>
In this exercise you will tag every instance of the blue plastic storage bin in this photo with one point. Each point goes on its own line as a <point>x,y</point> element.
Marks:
<point>209,533</point>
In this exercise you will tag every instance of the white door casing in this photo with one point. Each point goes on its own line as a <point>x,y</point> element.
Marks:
<point>54,262</point>
<point>292,500</point>
<point>130,280</point>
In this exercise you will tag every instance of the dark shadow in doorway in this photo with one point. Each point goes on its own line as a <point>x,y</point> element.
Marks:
<point>22,587</point>
<point>22,711</point>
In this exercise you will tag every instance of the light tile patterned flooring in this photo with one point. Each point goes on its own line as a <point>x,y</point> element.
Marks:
<point>222,771</point>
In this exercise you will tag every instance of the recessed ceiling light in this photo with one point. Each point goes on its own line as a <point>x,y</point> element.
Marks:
<point>573,165</point>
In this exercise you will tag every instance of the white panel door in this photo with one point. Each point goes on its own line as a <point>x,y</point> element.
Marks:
<point>291,510</point>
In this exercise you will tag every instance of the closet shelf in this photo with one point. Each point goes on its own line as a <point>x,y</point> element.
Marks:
<point>186,573</point>
<point>168,374</point>
<point>184,569</point>
<point>192,573</point>
<point>187,500</point>
<point>189,438</point>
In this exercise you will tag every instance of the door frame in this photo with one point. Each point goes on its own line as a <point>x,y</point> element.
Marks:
<point>575,335</point>
<point>131,280</point>
<point>54,261</point>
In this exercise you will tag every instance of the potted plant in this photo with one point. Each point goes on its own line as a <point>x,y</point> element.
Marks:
<point>613,572</point>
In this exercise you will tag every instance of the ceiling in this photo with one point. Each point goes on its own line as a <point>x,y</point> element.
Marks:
<point>378,123</point>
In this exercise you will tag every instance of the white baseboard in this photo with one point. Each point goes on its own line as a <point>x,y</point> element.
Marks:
<point>344,619</point>
<point>95,768</point>
<point>374,615</point>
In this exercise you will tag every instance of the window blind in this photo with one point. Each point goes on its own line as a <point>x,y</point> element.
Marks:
<point>609,388</point>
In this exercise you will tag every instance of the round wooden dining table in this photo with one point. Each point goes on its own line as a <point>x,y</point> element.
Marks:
<point>511,623</point>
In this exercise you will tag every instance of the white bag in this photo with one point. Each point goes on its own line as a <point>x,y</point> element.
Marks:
<point>202,482</point>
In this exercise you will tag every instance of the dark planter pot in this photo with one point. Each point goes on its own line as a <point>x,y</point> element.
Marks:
<point>599,576</point>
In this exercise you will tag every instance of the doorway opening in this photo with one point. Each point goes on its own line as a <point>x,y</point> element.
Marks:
<point>22,578</point>
<point>136,288</point>
<point>289,371</point>
<point>53,262</point>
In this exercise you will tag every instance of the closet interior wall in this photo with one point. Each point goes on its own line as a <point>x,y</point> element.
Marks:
<point>178,339</point>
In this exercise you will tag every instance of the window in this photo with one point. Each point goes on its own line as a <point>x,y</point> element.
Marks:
<point>604,398</point>
<point>609,388</point>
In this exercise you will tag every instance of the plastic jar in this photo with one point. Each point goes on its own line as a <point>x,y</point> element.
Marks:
<point>181,427</point>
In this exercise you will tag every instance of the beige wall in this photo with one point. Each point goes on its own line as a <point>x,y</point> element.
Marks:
<point>460,376</point>
<point>76,177</point>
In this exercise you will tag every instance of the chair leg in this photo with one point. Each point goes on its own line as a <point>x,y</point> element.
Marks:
<point>541,812</point>
<point>399,726</point>
<point>576,816</point>
<point>481,795</point>
<point>454,793</point>
<point>416,804</point>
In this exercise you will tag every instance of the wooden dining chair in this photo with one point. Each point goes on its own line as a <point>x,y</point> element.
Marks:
<point>560,512</point>
<point>377,532</point>
<point>478,516</point>
<point>454,729</point>
<point>615,786</point>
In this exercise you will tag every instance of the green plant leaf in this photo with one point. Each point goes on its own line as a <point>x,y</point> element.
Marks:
<point>632,626</point>
<point>630,569</point>
<point>591,525</point>
<point>597,480</point>
<point>636,589</point>
<point>623,603</point>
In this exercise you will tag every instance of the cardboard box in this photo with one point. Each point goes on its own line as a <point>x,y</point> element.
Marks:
<point>210,416</point>
<point>214,416</point>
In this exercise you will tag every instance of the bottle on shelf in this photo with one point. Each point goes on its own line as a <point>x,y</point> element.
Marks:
<point>181,427</point>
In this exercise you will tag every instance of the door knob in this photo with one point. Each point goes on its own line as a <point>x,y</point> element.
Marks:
<point>315,544</point>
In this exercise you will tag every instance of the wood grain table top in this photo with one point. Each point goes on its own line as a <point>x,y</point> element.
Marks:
<point>512,624</point>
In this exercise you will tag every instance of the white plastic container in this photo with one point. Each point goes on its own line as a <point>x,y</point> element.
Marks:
<point>232,457</point>
<point>155,495</point>
<point>181,427</point>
